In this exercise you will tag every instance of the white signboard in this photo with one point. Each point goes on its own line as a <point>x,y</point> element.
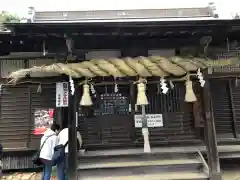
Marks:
<point>62,94</point>
<point>153,120</point>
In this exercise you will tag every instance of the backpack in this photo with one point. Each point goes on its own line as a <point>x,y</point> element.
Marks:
<point>59,153</point>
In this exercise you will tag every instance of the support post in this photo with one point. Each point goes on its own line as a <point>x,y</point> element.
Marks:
<point>210,135</point>
<point>59,110</point>
<point>72,137</point>
<point>235,132</point>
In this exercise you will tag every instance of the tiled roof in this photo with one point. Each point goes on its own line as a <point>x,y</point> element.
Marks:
<point>80,16</point>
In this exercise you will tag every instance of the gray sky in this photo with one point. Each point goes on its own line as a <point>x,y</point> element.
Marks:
<point>225,8</point>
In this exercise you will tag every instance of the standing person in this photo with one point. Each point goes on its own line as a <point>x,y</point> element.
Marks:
<point>79,139</point>
<point>63,140</point>
<point>62,163</point>
<point>48,142</point>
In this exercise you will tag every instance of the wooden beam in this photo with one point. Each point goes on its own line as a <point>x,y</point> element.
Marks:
<point>223,75</point>
<point>91,41</point>
<point>233,110</point>
<point>210,135</point>
<point>26,56</point>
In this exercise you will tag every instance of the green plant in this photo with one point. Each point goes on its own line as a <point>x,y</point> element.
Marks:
<point>6,17</point>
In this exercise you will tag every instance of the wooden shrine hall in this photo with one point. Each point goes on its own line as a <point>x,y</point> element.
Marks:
<point>152,99</point>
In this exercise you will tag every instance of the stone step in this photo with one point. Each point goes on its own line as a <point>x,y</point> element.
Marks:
<point>116,154</point>
<point>156,176</point>
<point>227,155</point>
<point>135,170</point>
<point>162,166</point>
<point>139,151</point>
<point>124,162</point>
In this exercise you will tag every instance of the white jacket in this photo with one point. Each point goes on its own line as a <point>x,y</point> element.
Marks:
<point>63,138</point>
<point>48,147</point>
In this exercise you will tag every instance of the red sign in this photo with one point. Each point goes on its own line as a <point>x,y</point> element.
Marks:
<point>43,119</point>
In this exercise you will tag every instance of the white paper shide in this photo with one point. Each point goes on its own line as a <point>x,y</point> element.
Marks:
<point>62,94</point>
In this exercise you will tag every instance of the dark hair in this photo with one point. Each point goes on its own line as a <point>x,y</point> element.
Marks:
<point>55,127</point>
<point>78,128</point>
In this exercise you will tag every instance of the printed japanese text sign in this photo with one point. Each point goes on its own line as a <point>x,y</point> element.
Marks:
<point>153,120</point>
<point>62,94</point>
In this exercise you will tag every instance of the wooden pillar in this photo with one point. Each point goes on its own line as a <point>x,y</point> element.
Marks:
<point>72,137</point>
<point>210,135</point>
<point>59,110</point>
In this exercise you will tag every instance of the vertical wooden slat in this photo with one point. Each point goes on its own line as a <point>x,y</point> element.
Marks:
<point>222,108</point>
<point>14,116</point>
<point>234,117</point>
<point>26,65</point>
<point>8,66</point>
<point>236,101</point>
<point>210,135</point>
<point>29,116</point>
<point>133,102</point>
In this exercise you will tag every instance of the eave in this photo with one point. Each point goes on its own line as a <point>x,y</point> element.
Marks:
<point>136,27</point>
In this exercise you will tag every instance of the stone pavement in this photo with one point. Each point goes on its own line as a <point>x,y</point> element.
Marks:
<point>231,170</point>
<point>229,173</point>
<point>24,176</point>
